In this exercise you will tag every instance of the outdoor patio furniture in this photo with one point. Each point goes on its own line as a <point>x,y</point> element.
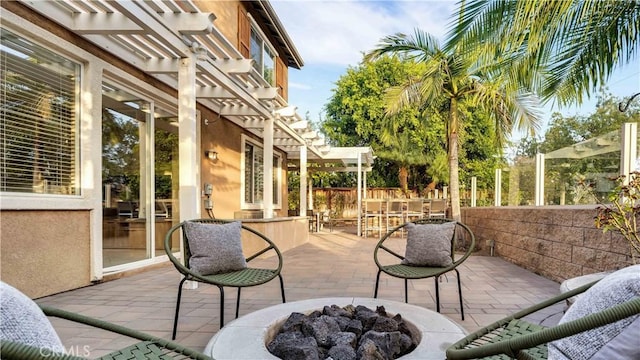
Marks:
<point>515,338</point>
<point>245,277</point>
<point>374,212</point>
<point>388,249</point>
<point>327,218</point>
<point>414,210</point>
<point>28,334</point>
<point>438,208</point>
<point>396,214</point>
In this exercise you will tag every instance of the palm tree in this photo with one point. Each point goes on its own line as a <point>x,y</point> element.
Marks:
<point>403,151</point>
<point>565,48</point>
<point>458,82</point>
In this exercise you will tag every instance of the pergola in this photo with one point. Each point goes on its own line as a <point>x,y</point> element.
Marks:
<point>336,159</point>
<point>178,43</point>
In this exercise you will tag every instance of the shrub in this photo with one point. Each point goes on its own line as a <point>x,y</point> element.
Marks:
<point>623,214</point>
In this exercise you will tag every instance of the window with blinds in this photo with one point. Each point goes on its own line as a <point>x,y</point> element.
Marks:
<point>254,175</point>
<point>38,119</point>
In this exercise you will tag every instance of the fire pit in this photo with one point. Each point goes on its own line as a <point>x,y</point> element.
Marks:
<point>247,337</point>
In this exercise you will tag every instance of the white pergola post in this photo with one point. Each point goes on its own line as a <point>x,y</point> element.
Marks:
<point>267,182</point>
<point>189,156</point>
<point>360,193</point>
<point>303,180</point>
<point>629,153</point>
<point>189,145</point>
<point>474,189</point>
<point>309,196</point>
<point>364,183</point>
<point>539,200</point>
<point>497,195</point>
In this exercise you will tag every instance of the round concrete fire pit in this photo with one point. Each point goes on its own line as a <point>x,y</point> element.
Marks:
<point>246,337</point>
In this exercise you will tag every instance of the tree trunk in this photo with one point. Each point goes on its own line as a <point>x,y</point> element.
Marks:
<point>454,191</point>
<point>403,177</point>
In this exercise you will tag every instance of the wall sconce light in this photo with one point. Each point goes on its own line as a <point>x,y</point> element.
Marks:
<point>211,154</point>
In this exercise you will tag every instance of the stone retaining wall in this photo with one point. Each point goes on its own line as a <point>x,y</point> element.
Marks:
<point>556,242</point>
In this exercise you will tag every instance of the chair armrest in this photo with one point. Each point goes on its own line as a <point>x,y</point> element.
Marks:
<point>12,350</point>
<point>512,346</point>
<point>458,351</point>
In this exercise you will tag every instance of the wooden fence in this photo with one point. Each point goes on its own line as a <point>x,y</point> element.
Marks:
<point>343,202</point>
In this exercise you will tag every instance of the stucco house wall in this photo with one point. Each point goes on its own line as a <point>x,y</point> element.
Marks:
<point>45,252</point>
<point>50,250</point>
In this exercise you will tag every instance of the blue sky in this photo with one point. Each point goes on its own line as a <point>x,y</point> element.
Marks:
<point>332,35</point>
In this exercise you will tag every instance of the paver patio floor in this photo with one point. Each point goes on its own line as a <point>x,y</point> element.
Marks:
<point>331,264</point>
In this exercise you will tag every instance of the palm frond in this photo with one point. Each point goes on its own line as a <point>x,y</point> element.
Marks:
<point>418,47</point>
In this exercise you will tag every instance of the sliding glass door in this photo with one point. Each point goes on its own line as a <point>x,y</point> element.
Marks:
<point>139,177</point>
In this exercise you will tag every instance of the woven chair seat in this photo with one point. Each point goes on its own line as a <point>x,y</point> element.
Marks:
<point>411,272</point>
<point>512,329</point>
<point>243,278</point>
<point>142,350</point>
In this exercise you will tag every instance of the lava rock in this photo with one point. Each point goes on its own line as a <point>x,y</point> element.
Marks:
<point>384,324</point>
<point>342,352</point>
<point>343,322</point>
<point>320,328</point>
<point>337,334</point>
<point>387,343</point>
<point>367,350</point>
<point>294,322</point>
<point>294,346</point>
<point>335,311</point>
<point>354,326</point>
<point>343,338</point>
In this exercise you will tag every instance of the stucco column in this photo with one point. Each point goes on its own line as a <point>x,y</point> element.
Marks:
<point>189,156</point>
<point>267,182</point>
<point>303,180</point>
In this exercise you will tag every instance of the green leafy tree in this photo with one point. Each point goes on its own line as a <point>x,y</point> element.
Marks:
<point>458,82</point>
<point>355,116</point>
<point>564,48</point>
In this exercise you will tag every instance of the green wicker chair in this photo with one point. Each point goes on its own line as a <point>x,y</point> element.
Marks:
<point>515,338</point>
<point>150,347</point>
<point>243,278</point>
<point>391,245</point>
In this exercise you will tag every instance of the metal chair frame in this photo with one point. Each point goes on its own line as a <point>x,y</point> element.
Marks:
<point>514,338</point>
<point>407,272</point>
<point>238,279</point>
<point>149,347</point>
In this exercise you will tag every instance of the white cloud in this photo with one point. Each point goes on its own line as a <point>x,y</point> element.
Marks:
<point>338,32</point>
<point>299,86</point>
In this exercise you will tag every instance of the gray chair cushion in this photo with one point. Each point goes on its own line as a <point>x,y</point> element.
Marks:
<point>22,321</point>
<point>610,341</point>
<point>215,248</point>
<point>429,244</point>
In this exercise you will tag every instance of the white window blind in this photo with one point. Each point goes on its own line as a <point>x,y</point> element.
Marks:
<point>254,175</point>
<point>38,119</point>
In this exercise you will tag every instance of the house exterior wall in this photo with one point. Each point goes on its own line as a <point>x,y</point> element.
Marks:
<point>50,249</point>
<point>227,18</point>
<point>556,242</point>
<point>45,252</point>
